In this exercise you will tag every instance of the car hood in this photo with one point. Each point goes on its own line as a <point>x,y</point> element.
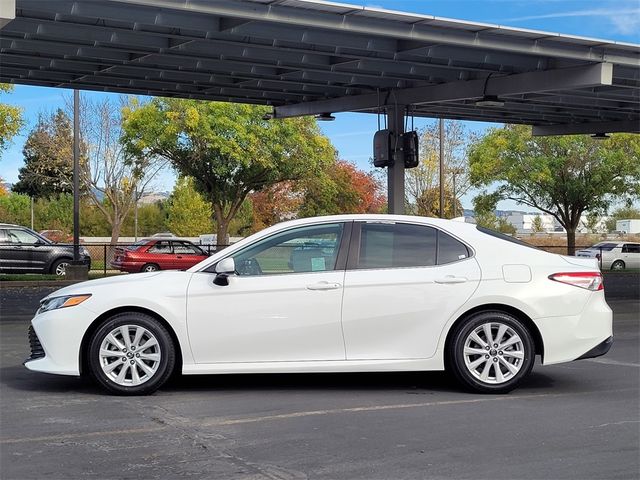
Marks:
<point>126,283</point>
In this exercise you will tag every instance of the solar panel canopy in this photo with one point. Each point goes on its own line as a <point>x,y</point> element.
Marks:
<point>311,57</point>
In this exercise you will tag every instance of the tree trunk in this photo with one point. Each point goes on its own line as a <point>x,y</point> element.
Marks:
<point>571,241</point>
<point>222,229</point>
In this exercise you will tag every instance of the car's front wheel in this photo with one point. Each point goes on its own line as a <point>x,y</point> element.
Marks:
<point>131,354</point>
<point>491,352</point>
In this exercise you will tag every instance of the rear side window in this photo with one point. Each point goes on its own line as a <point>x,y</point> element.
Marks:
<point>450,250</point>
<point>405,245</point>
<point>631,248</point>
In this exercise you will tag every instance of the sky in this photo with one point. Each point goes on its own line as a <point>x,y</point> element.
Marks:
<point>352,133</point>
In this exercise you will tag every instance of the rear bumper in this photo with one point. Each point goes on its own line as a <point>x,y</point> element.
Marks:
<point>131,267</point>
<point>598,350</point>
<point>568,338</point>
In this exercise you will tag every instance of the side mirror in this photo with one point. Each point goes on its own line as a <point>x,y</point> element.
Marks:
<point>38,242</point>
<point>224,268</point>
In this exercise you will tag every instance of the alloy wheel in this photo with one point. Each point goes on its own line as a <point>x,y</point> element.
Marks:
<point>130,355</point>
<point>493,353</point>
<point>61,269</point>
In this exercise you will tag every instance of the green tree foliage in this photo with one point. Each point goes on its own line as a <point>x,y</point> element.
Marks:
<point>15,208</point>
<point>48,158</point>
<point>490,220</point>
<point>562,176</point>
<point>10,120</point>
<point>428,203</point>
<point>188,214</point>
<point>228,149</point>
<point>537,225</point>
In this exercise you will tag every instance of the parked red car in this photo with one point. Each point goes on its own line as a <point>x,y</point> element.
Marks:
<point>150,255</point>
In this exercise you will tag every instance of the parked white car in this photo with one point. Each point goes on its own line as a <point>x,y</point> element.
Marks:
<point>353,293</point>
<point>614,255</point>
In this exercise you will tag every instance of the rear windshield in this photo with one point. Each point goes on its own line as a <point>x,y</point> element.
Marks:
<point>605,246</point>
<point>137,245</point>
<point>504,237</point>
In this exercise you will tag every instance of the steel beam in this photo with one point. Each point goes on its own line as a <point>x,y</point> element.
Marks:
<point>567,78</point>
<point>629,126</point>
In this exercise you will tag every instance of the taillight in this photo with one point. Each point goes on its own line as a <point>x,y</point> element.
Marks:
<point>589,280</point>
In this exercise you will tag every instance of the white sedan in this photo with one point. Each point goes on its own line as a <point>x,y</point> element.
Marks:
<point>351,293</point>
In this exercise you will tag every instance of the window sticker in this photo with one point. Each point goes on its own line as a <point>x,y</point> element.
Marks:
<point>318,264</point>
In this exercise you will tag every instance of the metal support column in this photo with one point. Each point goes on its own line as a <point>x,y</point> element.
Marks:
<point>76,177</point>
<point>395,173</point>
<point>441,182</point>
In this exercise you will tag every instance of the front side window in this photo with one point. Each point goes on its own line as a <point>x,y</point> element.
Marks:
<point>299,250</point>
<point>405,245</point>
<point>162,246</point>
<point>20,236</point>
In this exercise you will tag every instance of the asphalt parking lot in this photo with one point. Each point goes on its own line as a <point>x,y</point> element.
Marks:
<point>570,421</point>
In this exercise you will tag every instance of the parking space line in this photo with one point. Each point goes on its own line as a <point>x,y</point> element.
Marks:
<point>606,361</point>
<point>310,413</point>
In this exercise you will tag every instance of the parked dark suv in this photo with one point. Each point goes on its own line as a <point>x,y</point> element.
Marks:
<point>24,251</point>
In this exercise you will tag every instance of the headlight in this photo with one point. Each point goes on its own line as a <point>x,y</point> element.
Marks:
<point>54,303</point>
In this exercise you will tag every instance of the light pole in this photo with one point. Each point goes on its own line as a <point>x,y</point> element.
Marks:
<point>455,171</point>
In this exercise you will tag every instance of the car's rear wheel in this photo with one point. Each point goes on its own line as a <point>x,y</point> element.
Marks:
<point>150,267</point>
<point>491,352</point>
<point>59,267</point>
<point>131,354</point>
<point>617,265</point>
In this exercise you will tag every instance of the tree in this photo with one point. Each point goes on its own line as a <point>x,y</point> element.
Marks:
<point>562,176</point>
<point>342,188</point>
<point>48,158</point>
<point>275,204</point>
<point>423,180</point>
<point>10,120</point>
<point>113,178</point>
<point>537,225</point>
<point>188,214</point>
<point>228,149</point>
<point>428,203</point>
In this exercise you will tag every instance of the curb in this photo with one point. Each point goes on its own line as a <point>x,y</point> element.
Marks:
<point>37,283</point>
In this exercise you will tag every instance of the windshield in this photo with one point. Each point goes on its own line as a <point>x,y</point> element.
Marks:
<point>605,246</point>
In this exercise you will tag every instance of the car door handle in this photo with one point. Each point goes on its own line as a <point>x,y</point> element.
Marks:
<point>451,279</point>
<point>179,256</point>
<point>323,286</point>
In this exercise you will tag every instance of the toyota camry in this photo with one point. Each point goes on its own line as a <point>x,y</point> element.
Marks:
<point>350,293</point>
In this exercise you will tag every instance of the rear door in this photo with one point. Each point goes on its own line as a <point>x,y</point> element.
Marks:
<point>403,282</point>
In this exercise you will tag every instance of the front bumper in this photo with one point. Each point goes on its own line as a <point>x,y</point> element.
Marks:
<point>598,350</point>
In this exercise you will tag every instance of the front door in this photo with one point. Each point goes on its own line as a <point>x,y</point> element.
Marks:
<point>403,283</point>
<point>284,303</point>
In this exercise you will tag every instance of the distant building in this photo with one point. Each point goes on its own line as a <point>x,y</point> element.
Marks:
<point>598,225</point>
<point>525,222</point>
<point>153,197</point>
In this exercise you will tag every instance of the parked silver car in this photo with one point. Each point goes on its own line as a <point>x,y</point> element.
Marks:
<point>614,255</point>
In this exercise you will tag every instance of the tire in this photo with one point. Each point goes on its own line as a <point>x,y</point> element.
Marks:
<point>618,265</point>
<point>150,267</point>
<point>59,266</point>
<point>127,372</point>
<point>494,369</point>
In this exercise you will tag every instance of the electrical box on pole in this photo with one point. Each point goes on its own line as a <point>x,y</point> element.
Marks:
<point>383,147</point>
